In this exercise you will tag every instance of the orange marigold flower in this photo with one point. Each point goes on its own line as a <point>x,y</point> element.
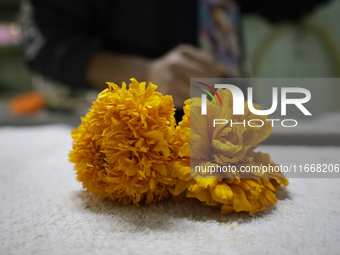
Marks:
<point>223,145</point>
<point>124,143</point>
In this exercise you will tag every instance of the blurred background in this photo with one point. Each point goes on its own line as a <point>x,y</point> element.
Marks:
<point>303,44</point>
<point>14,76</point>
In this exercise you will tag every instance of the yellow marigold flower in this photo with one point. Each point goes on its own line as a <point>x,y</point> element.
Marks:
<point>124,143</point>
<point>223,145</point>
<point>182,132</point>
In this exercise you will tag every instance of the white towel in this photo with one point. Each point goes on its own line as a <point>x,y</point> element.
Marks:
<point>43,210</point>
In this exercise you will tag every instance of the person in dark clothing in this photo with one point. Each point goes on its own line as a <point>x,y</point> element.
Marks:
<point>84,43</point>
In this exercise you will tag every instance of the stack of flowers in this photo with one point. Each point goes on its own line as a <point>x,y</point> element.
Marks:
<point>224,145</point>
<point>128,150</point>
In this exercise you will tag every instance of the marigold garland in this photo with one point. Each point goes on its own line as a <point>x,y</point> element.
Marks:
<point>128,150</point>
<point>124,143</point>
<point>223,145</point>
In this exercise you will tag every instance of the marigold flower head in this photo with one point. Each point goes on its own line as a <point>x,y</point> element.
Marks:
<point>224,145</point>
<point>124,143</point>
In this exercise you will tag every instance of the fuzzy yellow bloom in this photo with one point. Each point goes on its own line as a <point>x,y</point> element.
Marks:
<point>125,150</point>
<point>223,145</point>
<point>123,145</point>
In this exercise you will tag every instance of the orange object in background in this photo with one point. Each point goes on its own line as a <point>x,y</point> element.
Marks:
<point>27,103</point>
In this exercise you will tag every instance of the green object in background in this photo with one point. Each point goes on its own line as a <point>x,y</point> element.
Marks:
<point>324,38</point>
<point>14,75</point>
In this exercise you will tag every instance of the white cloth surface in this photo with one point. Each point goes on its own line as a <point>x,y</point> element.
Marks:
<point>44,210</point>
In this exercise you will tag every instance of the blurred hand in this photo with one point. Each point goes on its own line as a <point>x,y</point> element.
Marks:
<point>172,72</point>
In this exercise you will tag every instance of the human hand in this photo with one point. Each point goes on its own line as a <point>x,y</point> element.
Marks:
<point>172,72</point>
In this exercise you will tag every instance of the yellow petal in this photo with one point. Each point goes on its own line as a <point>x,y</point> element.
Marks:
<point>240,201</point>
<point>222,193</point>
